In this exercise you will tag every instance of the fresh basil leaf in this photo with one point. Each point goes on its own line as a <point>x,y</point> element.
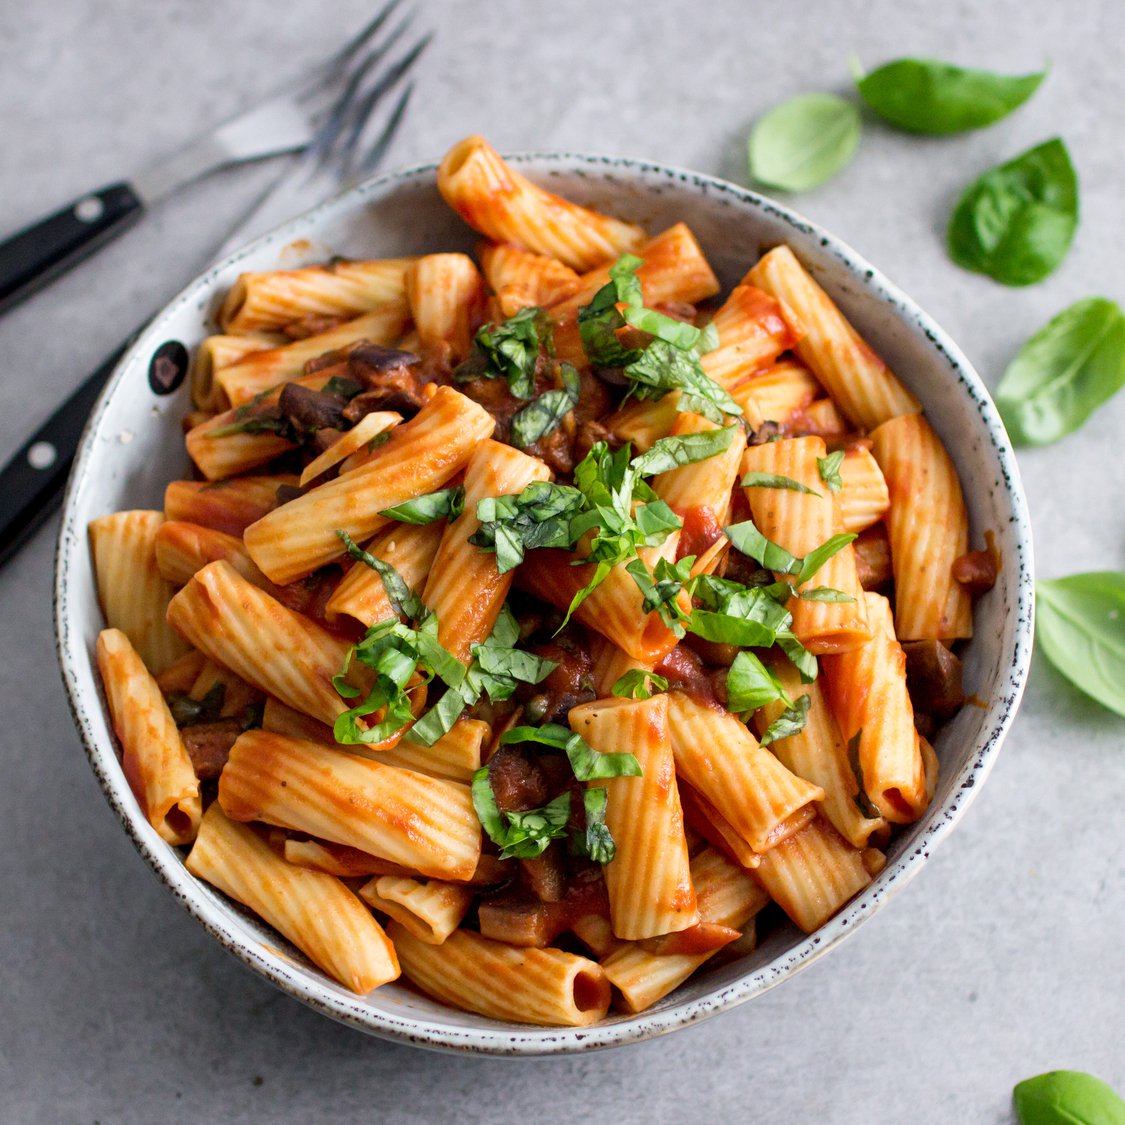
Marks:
<point>1016,222</point>
<point>394,664</point>
<point>447,503</point>
<point>638,683</point>
<point>771,480</point>
<point>803,142</point>
<point>829,470</point>
<point>818,556</point>
<point>544,414</point>
<point>586,762</point>
<point>750,685</point>
<point>750,541</point>
<point>748,617</point>
<point>791,721</point>
<point>926,96</point>
<point>1080,625</point>
<point>669,453</point>
<point>187,711</point>
<point>708,339</point>
<point>511,350</point>
<point>663,367</point>
<point>824,594</point>
<point>597,842</point>
<point>1067,1097</point>
<point>1069,368</point>
<point>403,600</point>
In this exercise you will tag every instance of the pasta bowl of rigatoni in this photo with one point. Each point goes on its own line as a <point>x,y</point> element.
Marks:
<point>568,596</point>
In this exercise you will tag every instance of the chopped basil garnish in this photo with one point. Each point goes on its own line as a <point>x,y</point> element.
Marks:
<point>669,363</point>
<point>661,589</point>
<point>511,350</point>
<point>803,142</point>
<point>1017,221</point>
<point>829,469</point>
<point>926,96</point>
<point>541,416</point>
<point>342,387</point>
<point>608,499</point>
<point>586,762</point>
<point>862,801</point>
<point>771,480</point>
<point>403,600</point>
<point>596,843</point>
<point>750,685</point>
<point>446,503</point>
<point>519,835</point>
<point>537,517</point>
<point>824,594</point>
<point>638,683</point>
<point>791,721</point>
<point>750,541</point>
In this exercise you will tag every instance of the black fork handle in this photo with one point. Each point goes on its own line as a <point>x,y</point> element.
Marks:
<point>49,247</point>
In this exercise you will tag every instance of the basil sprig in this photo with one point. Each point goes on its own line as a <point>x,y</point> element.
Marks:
<point>446,503</point>
<point>1080,626</point>
<point>1067,1097</point>
<point>1069,368</point>
<point>927,96</point>
<point>544,414</point>
<point>1016,222</point>
<point>803,142</point>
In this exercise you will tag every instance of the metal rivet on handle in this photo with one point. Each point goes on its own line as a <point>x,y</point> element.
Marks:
<point>89,210</point>
<point>42,455</point>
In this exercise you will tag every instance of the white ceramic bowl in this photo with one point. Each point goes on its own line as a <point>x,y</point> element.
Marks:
<point>133,447</point>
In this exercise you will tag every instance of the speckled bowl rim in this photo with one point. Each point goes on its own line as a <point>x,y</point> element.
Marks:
<point>302,983</point>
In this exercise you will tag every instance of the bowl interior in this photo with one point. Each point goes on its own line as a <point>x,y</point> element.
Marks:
<point>133,447</point>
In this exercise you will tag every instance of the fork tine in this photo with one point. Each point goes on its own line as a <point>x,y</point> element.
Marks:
<point>366,105</point>
<point>360,169</point>
<point>341,109</point>
<point>354,45</point>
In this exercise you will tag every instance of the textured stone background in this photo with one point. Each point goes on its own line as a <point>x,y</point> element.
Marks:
<point>1001,960</point>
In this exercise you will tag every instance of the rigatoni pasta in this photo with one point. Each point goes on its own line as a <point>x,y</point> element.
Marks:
<point>523,589</point>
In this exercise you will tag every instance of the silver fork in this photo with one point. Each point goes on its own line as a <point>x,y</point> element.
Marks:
<point>341,152</point>
<point>287,120</point>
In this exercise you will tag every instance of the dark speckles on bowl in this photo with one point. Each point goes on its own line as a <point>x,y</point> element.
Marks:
<point>402,214</point>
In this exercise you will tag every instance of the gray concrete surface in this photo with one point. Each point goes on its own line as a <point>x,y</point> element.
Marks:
<point>1003,959</point>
